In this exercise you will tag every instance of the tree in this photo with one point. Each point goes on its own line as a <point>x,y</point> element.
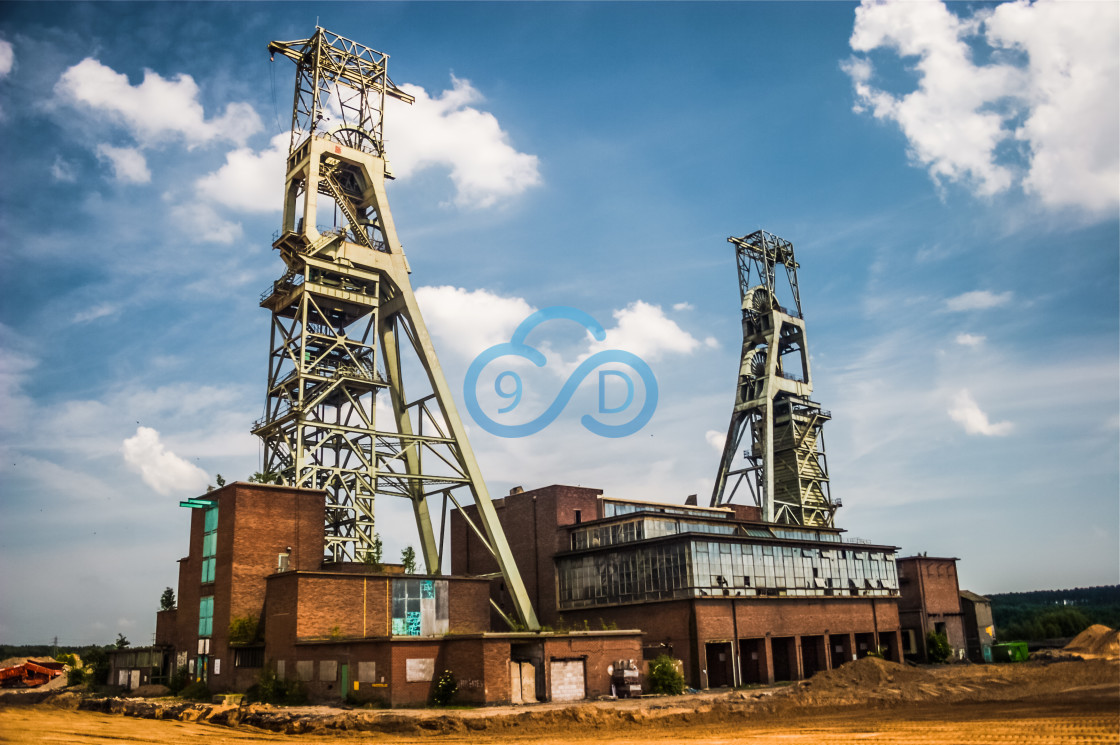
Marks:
<point>408,558</point>
<point>265,477</point>
<point>664,677</point>
<point>122,643</point>
<point>372,556</point>
<point>167,599</point>
<point>937,647</point>
<point>221,481</point>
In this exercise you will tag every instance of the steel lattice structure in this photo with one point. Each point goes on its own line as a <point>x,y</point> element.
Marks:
<point>783,463</point>
<point>346,329</point>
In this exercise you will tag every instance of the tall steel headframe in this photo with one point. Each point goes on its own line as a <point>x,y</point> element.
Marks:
<point>347,334</point>
<point>783,463</point>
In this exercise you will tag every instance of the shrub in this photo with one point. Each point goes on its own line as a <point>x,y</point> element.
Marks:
<point>446,688</point>
<point>242,630</point>
<point>664,676</point>
<point>179,680</point>
<point>197,691</point>
<point>271,689</point>
<point>75,676</point>
<point>937,647</point>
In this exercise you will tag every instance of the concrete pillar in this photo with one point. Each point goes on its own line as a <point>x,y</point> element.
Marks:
<point>798,663</point>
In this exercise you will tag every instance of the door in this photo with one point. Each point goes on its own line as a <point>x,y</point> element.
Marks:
<point>345,687</point>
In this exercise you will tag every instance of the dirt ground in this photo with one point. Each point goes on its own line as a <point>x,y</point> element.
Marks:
<point>1058,702</point>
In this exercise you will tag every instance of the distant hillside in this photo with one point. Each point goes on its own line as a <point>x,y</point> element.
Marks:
<point>1054,614</point>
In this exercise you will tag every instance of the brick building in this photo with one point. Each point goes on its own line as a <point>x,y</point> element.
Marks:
<point>929,600</point>
<point>255,594</point>
<point>979,626</point>
<point>736,599</point>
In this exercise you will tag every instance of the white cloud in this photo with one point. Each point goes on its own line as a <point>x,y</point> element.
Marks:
<point>7,58</point>
<point>202,224</point>
<point>445,131</point>
<point>156,110</point>
<point>967,413</point>
<point>977,300</point>
<point>1073,128</point>
<point>249,181</point>
<point>97,311</point>
<point>159,467</point>
<point>716,439</point>
<point>470,321</point>
<point>683,306</point>
<point>63,171</point>
<point>129,164</point>
<point>643,329</point>
<point>970,340</point>
<point>962,117</point>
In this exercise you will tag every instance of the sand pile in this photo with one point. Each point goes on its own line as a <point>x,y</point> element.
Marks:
<point>867,674</point>
<point>1097,641</point>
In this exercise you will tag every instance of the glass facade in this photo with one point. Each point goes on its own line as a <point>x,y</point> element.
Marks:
<point>628,531</point>
<point>695,567</point>
<point>615,509</point>
<point>209,543</point>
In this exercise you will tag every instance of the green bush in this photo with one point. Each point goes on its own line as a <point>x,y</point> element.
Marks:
<point>446,688</point>
<point>197,691</point>
<point>75,676</point>
<point>242,630</point>
<point>180,679</point>
<point>664,677</point>
<point>271,689</point>
<point>937,647</point>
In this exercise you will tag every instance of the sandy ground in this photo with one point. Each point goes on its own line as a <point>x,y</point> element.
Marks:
<point>1063,702</point>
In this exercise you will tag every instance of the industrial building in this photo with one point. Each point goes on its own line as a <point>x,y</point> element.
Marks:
<point>285,578</point>
<point>255,592</point>
<point>737,600</point>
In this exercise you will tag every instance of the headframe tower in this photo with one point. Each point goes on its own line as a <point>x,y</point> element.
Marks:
<point>783,464</point>
<point>346,328</point>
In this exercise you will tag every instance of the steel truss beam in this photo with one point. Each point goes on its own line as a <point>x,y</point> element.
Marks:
<point>347,334</point>
<point>783,464</point>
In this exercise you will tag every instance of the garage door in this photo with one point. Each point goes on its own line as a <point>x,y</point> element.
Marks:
<point>567,680</point>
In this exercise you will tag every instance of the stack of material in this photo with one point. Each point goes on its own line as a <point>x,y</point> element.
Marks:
<point>1096,641</point>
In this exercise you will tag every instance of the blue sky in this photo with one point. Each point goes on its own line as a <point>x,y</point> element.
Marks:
<point>949,178</point>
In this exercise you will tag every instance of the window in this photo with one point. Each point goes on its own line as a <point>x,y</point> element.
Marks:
<point>419,607</point>
<point>248,657</point>
<point>206,616</point>
<point>209,543</point>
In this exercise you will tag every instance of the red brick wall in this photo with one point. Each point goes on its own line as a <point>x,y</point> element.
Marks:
<point>533,522</point>
<point>599,650</point>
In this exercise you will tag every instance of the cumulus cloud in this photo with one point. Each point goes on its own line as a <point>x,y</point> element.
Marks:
<point>157,109</point>
<point>202,224</point>
<point>645,330</point>
<point>129,164</point>
<point>470,321</point>
<point>159,467</point>
<point>977,300</point>
<point>446,131</point>
<point>716,439</point>
<point>965,120</point>
<point>970,340</point>
<point>683,306</point>
<point>967,413</point>
<point>250,180</point>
